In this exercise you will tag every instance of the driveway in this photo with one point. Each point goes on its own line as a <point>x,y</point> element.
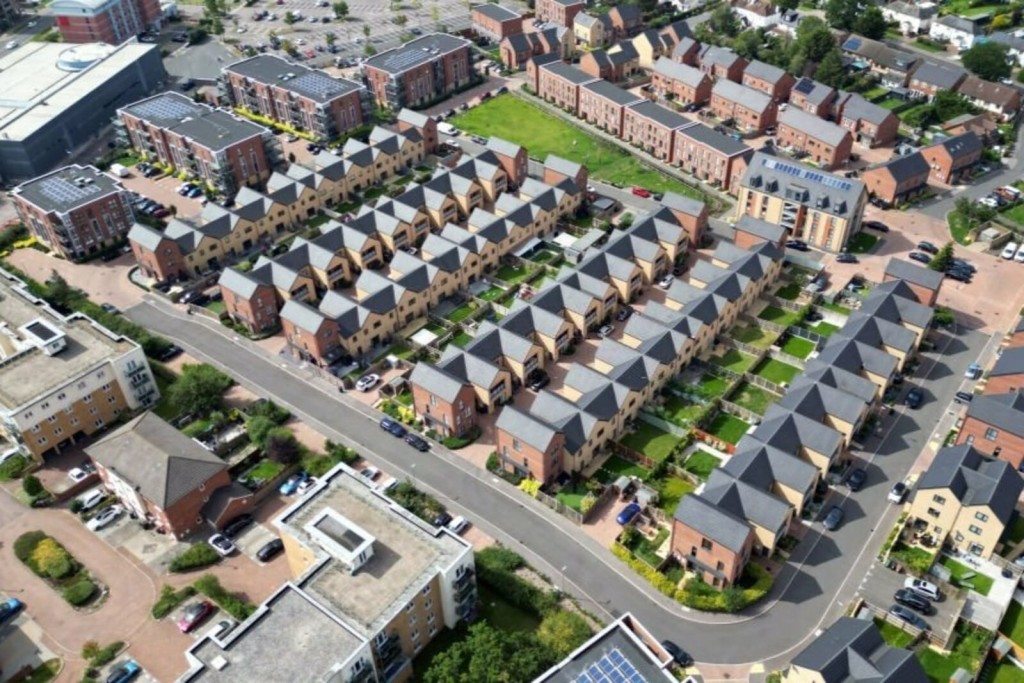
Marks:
<point>104,282</point>
<point>879,585</point>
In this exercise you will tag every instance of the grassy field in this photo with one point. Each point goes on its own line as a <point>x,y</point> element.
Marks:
<point>615,467</point>
<point>752,398</point>
<point>651,441</point>
<point>1015,214</point>
<point>798,347</point>
<point>777,371</point>
<point>959,227</point>
<point>823,328</point>
<point>1003,672</point>
<point>734,360</point>
<point>701,464</point>
<point>755,336</point>
<point>728,428</point>
<point>572,495</point>
<point>1013,623</point>
<point>779,316</point>
<point>506,117</point>
<point>493,293</point>
<point>979,583</point>
<point>512,275</point>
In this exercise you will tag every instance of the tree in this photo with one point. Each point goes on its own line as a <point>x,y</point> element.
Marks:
<point>435,14</point>
<point>282,446</point>
<point>987,60</point>
<point>787,5</point>
<point>487,655</point>
<point>831,70</point>
<point>747,44</point>
<point>943,259</point>
<point>330,39</point>
<point>948,104</point>
<point>340,9</point>
<point>289,18</point>
<point>842,13</point>
<point>31,485</point>
<point>366,30</point>
<point>400,20</point>
<point>626,221</point>
<point>723,20</point>
<point>50,559</point>
<point>870,23</point>
<point>258,428</point>
<point>562,632</point>
<point>815,41</point>
<point>199,390</point>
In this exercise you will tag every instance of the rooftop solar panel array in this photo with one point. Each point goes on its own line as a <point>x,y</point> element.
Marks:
<point>64,192</point>
<point>164,108</point>
<point>316,85</point>
<point>827,180</point>
<point>613,667</point>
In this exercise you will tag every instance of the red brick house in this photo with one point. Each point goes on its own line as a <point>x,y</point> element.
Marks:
<point>1008,372</point>
<point>771,80</point>
<point>249,302</point>
<point>164,477</point>
<point>1001,100</point>
<point>651,127</point>
<point>518,48</point>
<point>603,104</point>
<point>425,126</point>
<point>954,158</point>
<point>751,232</point>
<point>557,169</point>
<point>686,51</point>
<point>824,143</point>
<point>626,21</point>
<point>710,541</point>
<point>513,158</point>
<point>423,70</point>
<point>495,21</point>
<point>612,66</point>
<point>112,22</point>
<point>561,12</point>
<point>751,111</point>
<point>870,125</point>
<point>446,403</point>
<point>529,446</point>
<point>559,83</point>
<point>812,97</point>
<point>684,85</point>
<point>533,67</point>
<point>897,180</point>
<point>159,256</point>
<point>722,63</point>
<point>713,157</point>
<point>924,282</point>
<point>691,215</point>
<point>994,425</point>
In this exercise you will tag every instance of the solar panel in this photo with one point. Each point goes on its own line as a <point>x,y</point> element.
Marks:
<point>612,667</point>
<point>315,84</point>
<point>853,44</point>
<point>167,108</point>
<point>804,85</point>
<point>834,182</point>
<point>64,192</point>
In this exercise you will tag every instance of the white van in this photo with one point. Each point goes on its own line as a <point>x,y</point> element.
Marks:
<point>448,129</point>
<point>119,170</point>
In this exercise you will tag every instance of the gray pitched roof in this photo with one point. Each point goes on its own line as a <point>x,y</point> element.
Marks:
<point>813,91</point>
<point>815,127</point>
<point>163,464</point>
<point>761,465</point>
<point>568,72</point>
<point>974,479</point>
<point>914,273</point>
<point>1010,362</point>
<point>819,371</point>
<point>939,75</point>
<point>720,142</point>
<point>496,12</point>
<point>723,56</point>
<point>760,228</point>
<point>853,651</point>
<point>713,522</point>
<point>895,301</point>
<point>611,92</point>
<point>764,71</point>
<point>683,203</point>
<point>789,431</point>
<point>854,355</point>
<point>809,186</point>
<point>685,74</point>
<point>755,100</point>
<point>529,429</point>
<point>1002,411</point>
<point>856,107</point>
<point>586,20</point>
<point>959,23</point>
<point>436,381</point>
<point>315,84</point>
<point>903,167</point>
<point>563,166</point>
<point>659,114</point>
<point>818,401</point>
<point>751,503</point>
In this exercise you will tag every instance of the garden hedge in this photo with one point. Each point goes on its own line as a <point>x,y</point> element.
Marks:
<point>197,556</point>
<point>170,599</point>
<point>80,592</point>
<point>492,569</point>
<point>209,585</point>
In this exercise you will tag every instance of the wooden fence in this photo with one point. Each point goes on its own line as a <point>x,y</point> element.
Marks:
<point>714,441</point>
<point>761,322</point>
<point>629,454</point>
<point>560,507</point>
<point>664,425</point>
<point>783,303</point>
<point>745,348</point>
<point>780,355</point>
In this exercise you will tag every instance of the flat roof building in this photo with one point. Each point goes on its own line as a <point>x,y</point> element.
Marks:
<point>58,97</point>
<point>423,70</point>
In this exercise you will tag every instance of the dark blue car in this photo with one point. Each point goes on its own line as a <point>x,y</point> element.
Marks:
<point>9,608</point>
<point>393,427</point>
<point>628,513</point>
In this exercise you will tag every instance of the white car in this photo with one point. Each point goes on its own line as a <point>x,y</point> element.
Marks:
<point>666,281</point>
<point>77,474</point>
<point>91,499</point>
<point>105,518</point>
<point>1019,256</point>
<point>923,588</point>
<point>989,202</point>
<point>367,382</point>
<point>11,44</point>
<point>1010,250</point>
<point>606,330</point>
<point>222,544</point>
<point>458,525</point>
<point>306,485</point>
<point>370,472</point>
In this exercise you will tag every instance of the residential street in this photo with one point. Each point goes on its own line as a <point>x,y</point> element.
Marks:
<point>811,590</point>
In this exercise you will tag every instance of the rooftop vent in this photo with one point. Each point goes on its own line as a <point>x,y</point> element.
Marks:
<point>219,662</point>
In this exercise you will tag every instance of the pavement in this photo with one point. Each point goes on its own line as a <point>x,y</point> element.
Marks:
<point>880,583</point>
<point>814,588</point>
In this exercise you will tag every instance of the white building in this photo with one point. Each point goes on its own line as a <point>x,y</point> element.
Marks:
<point>756,13</point>
<point>913,18</point>
<point>958,31</point>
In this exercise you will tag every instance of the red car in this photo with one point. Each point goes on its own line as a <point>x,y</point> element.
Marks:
<point>194,615</point>
<point>641,192</point>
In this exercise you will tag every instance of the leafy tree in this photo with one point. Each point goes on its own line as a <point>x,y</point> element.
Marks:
<point>435,14</point>
<point>340,9</point>
<point>487,655</point>
<point>815,41</point>
<point>401,20</point>
<point>787,4</point>
<point>870,23</point>
<point>258,428</point>
<point>282,446</point>
<point>366,30</point>
<point>797,63</point>
<point>842,13</point>
<point>1002,22</point>
<point>943,259</point>
<point>831,70</point>
<point>330,38</point>
<point>200,389</point>
<point>626,221</point>
<point>289,18</point>
<point>562,632</point>
<point>987,60</point>
<point>723,20</point>
<point>51,559</point>
<point>32,486</point>
<point>747,44</point>
<point>948,104</point>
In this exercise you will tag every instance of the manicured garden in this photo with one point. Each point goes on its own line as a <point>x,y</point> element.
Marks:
<point>462,312</point>
<point>969,648</point>
<point>821,327</point>
<point>777,371</point>
<point>513,274</point>
<point>461,339</point>
<point>892,634</point>
<point>572,495</point>
<point>755,336</point>
<point>52,563</point>
<point>701,464</point>
<point>651,441</point>
<point>492,294</point>
<point>670,491</point>
<point>1013,623</point>
<point>798,347</point>
<point>779,316</point>
<point>728,428</point>
<point>615,467</point>
<point>680,411</point>
<point>708,387</point>
<point>789,292</point>
<point>1002,672</point>
<point>861,243</point>
<point>753,398</point>
<point>734,360</point>
<point>967,577</point>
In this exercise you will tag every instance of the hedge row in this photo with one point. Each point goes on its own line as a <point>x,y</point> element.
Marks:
<point>656,578</point>
<point>519,592</point>
<point>197,556</point>
<point>209,585</point>
<point>170,599</point>
<point>79,593</point>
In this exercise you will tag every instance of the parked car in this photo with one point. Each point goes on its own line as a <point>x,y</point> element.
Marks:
<point>443,519</point>
<point>876,225</point>
<point>963,397</point>
<point>539,379</point>
<point>291,485</point>
<point>1019,256</point>
<point>370,472</point>
<point>641,192</point>
<point>919,257</point>
<point>222,544</point>
<point>798,245</point>
<point>367,382</point>
<point>194,615</point>
<point>270,550</point>
<point>846,257</point>
<point>105,518</point>
<point>901,612</point>
<point>9,609</point>
<point>124,672</point>
<point>898,492</point>
<point>417,442</point>
<point>909,598</point>
<point>856,479</point>
<point>169,353</point>
<point>961,263</point>
<point>666,281</point>
<point>627,514</point>
<point>974,371</point>
<point>606,330</point>
<point>624,313</point>
<point>239,523</point>
<point>923,588</point>
<point>91,499</point>
<point>915,397</point>
<point>77,474</point>
<point>834,518</point>
<point>393,427</point>
<point>928,247</point>
<point>958,275</point>
<point>305,486</point>
<point>458,525</point>
<point>678,654</point>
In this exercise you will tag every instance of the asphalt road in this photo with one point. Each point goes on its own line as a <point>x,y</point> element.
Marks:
<point>822,575</point>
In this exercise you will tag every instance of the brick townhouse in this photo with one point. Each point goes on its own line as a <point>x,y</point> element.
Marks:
<point>307,99</point>
<point>533,67</point>
<point>711,156</point>
<point>925,283</point>
<point>626,21</point>
<point>771,80</point>
<point>559,83</point>
<point>870,124</point>
<point>518,48</point>
<point>994,425</point>
<point>1007,374</point>
<point>447,403</point>
<point>495,21</point>
<point>423,70</point>
<point>930,78</point>
<point>76,210</point>
<point>714,542</point>
<point>953,159</point>
<point>526,444</point>
<point>686,51</point>
<point>683,85</point>
<point>652,127</point>
<point>614,66</point>
<point>752,112</point>
<point>813,97</point>
<point>561,12</point>
<point>590,30</point>
<point>721,63</point>
<point>898,180</point>
<point>824,143</point>
<point>603,104</point>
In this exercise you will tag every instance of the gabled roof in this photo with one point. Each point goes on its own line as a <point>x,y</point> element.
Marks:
<point>998,94</point>
<point>567,72</point>
<point>962,24</point>
<point>1002,411</point>
<point>818,401</point>
<point>974,479</point>
<point>563,166</point>
<point>528,428</point>
<point>437,381</point>
<point>855,107</point>
<point>761,465</point>
<point>963,145</point>
<point>717,524</point>
<point>938,75</point>
<point>896,302</point>
<point>711,138</point>
<point>813,126</point>
<point>1010,362</point>
<point>754,100</point>
<point>751,503</point>
<point>788,431</point>
<point>660,115</point>
<point>812,91</point>
<point>612,92</point>
<point>687,75</point>
<point>914,273</point>
<point>765,72</point>
<point>496,12</point>
<point>854,356</point>
<point>720,56</point>
<point>899,168</point>
<point>759,228</point>
<point>853,651</point>
<point>818,371</point>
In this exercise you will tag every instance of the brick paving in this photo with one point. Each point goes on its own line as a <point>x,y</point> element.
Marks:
<point>104,282</point>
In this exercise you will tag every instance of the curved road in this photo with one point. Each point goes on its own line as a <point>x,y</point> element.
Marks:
<point>811,590</point>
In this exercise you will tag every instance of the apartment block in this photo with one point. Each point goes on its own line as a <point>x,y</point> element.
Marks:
<point>683,85</point>
<point>76,211</point>
<point>752,112</point>
<point>559,83</point>
<point>770,80</point>
<point>107,21</point>
<point>561,12</point>
<point>898,180</point>
<point>604,105</point>
<point>419,72</point>
<point>820,208</point>
<point>218,148</point>
<point>63,378</point>
<point>966,499</point>
<point>495,21</point>
<point>954,158</point>
<point>295,95</point>
<point>817,99</point>
<point>825,144</point>
<point>713,157</point>
<point>652,128</point>
<point>870,124</point>
<point>994,426</point>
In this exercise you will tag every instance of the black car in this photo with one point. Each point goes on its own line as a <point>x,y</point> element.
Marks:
<point>958,275</point>
<point>235,526</point>
<point>270,550</point>
<point>909,598</point>
<point>417,442</point>
<point>540,379</point>
<point>919,257</point>
<point>624,313</point>
<point>678,654</point>
<point>963,265</point>
<point>834,518</point>
<point>846,257</point>
<point>928,247</point>
<point>393,427</point>
<point>915,397</point>
<point>906,615</point>
<point>442,519</point>
<point>813,317</point>
<point>963,397</point>
<point>798,245</point>
<point>855,481</point>
<point>876,225</point>
<point>170,353</point>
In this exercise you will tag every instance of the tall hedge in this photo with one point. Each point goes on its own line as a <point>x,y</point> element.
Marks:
<point>492,570</point>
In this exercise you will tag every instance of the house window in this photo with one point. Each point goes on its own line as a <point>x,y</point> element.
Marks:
<point>969,440</point>
<point>705,544</point>
<point>932,512</point>
<point>991,434</point>
<point>426,590</point>
<point>981,516</point>
<point>516,445</point>
<point>959,537</point>
<point>408,608</point>
<point>939,499</point>
<point>976,530</point>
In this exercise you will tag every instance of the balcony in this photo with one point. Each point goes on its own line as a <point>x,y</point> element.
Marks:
<point>389,650</point>
<point>364,675</point>
<point>391,672</point>
<point>463,594</point>
<point>461,581</point>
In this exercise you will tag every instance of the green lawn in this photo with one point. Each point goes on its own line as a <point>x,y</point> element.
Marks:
<point>928,45</point>
<point>615,467</point>
<point>544,256</point>
<point>399,350</point>
<point>798,347</point>
<point>891,103</point>
<point>436,328</point>
<point>670,491</point>
<point>164,408</point>
<point>1015,214</point>
<point>492,294</point>
<point>734,360</point>
<point>572,495</point>
<point>777,371</point>
<point>752,398</point>
<point>913,111</point>
<point>789,292</point>
<point>264,471</point>
<point>959,227</point>
<point>755,336</point>
<point>1013,623</point>
<point>44,673</point>
<point>461,339</point>
<point>506,116</point>
<point>709,386</point>
<point>1003,672</point>
<point>875,93</point>
<point>701,464</point>
<point>967,654</point>
<point>823,328</point>
<point>779,316</point>
<point>728,428</point>
<point>682,412</point>
<point>979,583</point>
<point>462,312</point>
<point>893,635</point>
<point>651,441</point>
<point>512,275</point>
<point>861,243</point>
<point>647,550</point>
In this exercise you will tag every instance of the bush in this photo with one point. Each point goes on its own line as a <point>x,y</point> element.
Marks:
<point>26,544</point>
<point>170,599</point>
<point>13,467</point>
<point>106,655</point>
<point>456,442</point>
<point>753,586</point>
<point>500,559</point>
<point>237,607</point>
<point>195,557</point>
<point>493,462</point>
<point>50,559</point>
<point>259,428</point>
<point>656,578</point>
<point>282,446</point>
<point>32,486</point>
<point>520,593</point>
<point>530,487</point>
<point>271,411</point>
<point>80,592</point>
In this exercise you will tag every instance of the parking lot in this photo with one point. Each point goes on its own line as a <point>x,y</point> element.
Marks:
<point>879,585</point>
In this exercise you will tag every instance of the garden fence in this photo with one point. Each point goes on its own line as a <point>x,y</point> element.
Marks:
<point>803,333</point>
<point>270,487</point>
<point>719,371</point>
<point>714,441</point>
<point>761,322</point>
<point>745,348</point>
<point>560,507</point>
<point>662,424</point>
<point>766,384</point>
<point>739,411</point>
<point>629,454</point>
<point>782,356</point>
<point>894,621</point>
<point>680,390</point>
<point>609,493</point>
<point>677,471</point>
<point>784,303</point>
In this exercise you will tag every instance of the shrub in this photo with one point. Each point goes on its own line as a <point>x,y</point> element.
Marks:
<point>32,486</point>
<point>493,462</point>
<point>456,442</point>
<point>170,599</point>
<point>195,557</point>
<point>520,593</point>
<point>106,655</point>
<point>530,487</point>
<point>50,559</point>
<point>89,649</point>
<point>76,506</point>
<point>271,411</point>
<point>656,578</point>
<point>282,446</point>
<point>13,467</point>
<point>500,559</point>
<point>259,428</point>
<point>25,544</point>
<point>80,592</point>
<point>233,604</point>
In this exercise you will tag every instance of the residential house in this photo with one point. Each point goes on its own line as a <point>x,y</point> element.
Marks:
<point>1007,374</point>
<point>534,65</point>
<point>898,180</point>
<point>931,78</point>
<point>711,156</point>
<point>686,51</point>
<point>924,282</point>
<point>561,12</point>
<point>513,159</point>
<point>446,403</point>
<point>650,45</point>
<point>771,80</point>
<point>559,83</point>
<point>756,14</point>
<point>517,49</point>
<point>825,144</point>
<point>854,650</point>
<point>979,124</point>
<point>589,29</point>
<point>684,85</point>
<point>414,123</point>
<point>651,127</point>
<point>812,97</point>
<point>495,21</point>
<point>766,515</point>
<point>711,541</point>
<point>958,31</point>
<point>1014,44</point>
<point>603,105</point>
<point>913,18</point>
<point>954,158</point>
<point>626,21</point>
<point>966,499</point>
<point>721,63</point>
<point>423,70</point>
<point>870,124</point>
<point>163,477</point>
<point>688,213</point>
<point>750,231</point>
<point>557,170</point>
<point>1004,101</point>
<point>751,112</point>
<point>529,445</point>
<point>892,66</point>
<point>994,426</point>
